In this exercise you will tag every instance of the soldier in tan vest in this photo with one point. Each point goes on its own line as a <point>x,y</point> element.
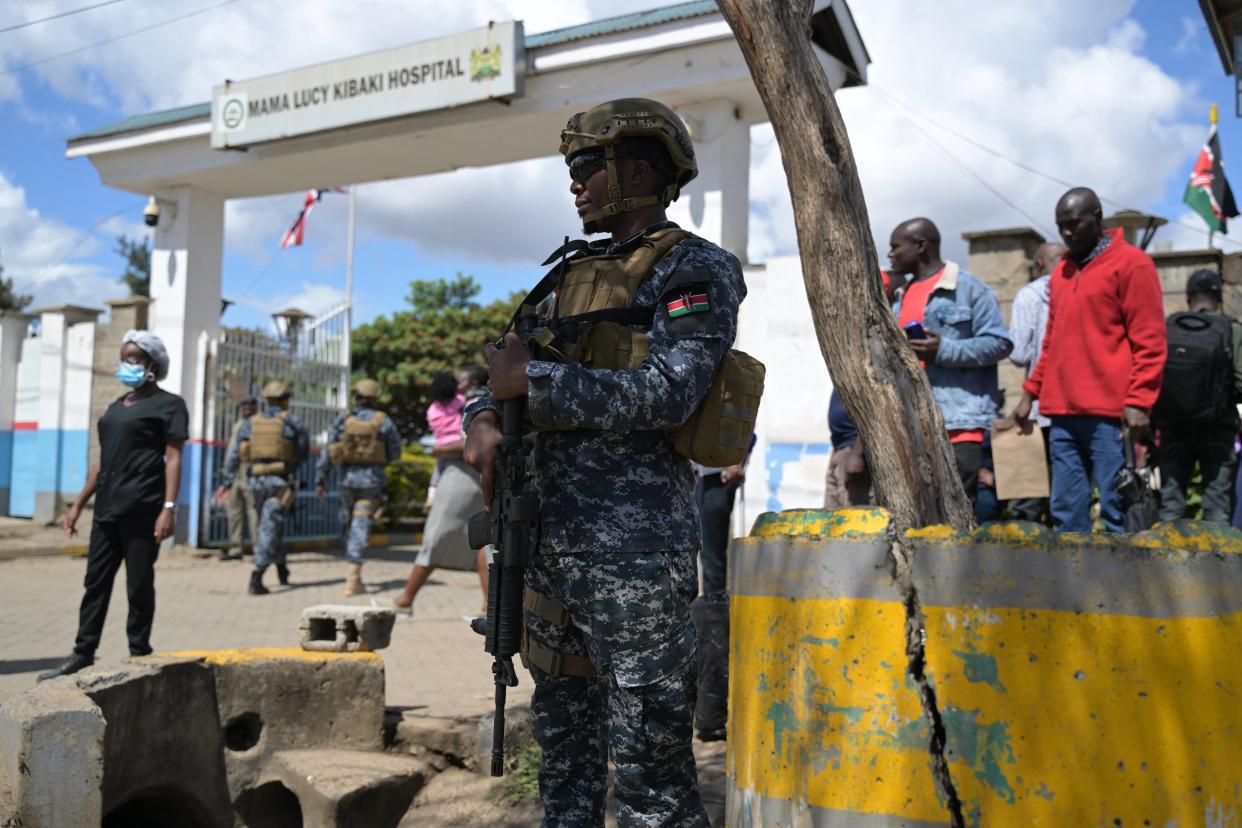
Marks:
<point>275,443</point>
<point>362,442</point>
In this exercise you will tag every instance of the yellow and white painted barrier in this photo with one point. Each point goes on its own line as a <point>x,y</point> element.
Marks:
<point>1078,680</point>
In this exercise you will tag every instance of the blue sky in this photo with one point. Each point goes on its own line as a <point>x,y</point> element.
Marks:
<point>1154,68</point>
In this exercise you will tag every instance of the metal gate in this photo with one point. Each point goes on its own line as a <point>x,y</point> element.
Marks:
<point>313,360</point>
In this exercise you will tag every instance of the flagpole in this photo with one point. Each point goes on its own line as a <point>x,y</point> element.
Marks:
<point>349,279</point>
<point>1213,118</point>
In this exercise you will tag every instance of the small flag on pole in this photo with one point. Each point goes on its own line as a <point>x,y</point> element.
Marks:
<point>293,236</point>
<point>1208,192</point>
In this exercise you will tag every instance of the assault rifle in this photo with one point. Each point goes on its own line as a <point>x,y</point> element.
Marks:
<point>509,527</point>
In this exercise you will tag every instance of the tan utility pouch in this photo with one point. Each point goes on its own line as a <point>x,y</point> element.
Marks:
<point>719,432</point>
<point>336,454</point>
<point>276,467</point>
<point>615,347</point>
<point>243,451</point>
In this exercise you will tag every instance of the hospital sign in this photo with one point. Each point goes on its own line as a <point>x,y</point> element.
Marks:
<point>469,67</point>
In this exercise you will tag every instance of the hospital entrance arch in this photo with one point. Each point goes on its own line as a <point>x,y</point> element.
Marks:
<point>438,106</point>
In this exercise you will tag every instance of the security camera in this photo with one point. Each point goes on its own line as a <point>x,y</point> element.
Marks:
<point>157,209</point>
<point>151,213</point>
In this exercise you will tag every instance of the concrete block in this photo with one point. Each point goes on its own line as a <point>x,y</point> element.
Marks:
<point>347,789</point>
<point>163,748</point>
<point>343,628</point>
<point>443,742</point>
<point>276,699</point>
<point>51,758</point>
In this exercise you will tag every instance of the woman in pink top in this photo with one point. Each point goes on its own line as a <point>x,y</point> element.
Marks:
<point>458,496</point>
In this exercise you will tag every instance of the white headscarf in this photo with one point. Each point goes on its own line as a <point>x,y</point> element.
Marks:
<point>153,347</point>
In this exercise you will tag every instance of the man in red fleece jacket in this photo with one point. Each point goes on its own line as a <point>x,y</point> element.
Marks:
<point>1102,363</point>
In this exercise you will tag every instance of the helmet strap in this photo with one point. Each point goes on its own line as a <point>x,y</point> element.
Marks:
<point>616,204</point>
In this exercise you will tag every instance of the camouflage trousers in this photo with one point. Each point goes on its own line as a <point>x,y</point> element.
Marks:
<point>359,504</point>
<point>630,615</point>
<point>267,490</point>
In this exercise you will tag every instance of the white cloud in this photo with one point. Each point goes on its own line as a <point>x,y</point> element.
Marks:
<point>42,255</point>
<point>1190,36</point>
<point>312,297</point>
<point>1051,84</point>
<point>1051,87</point>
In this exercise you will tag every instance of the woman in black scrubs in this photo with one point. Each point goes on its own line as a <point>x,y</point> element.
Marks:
<point>135,485</point>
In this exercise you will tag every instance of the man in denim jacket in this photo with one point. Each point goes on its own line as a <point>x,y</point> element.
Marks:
<point>962,338</point>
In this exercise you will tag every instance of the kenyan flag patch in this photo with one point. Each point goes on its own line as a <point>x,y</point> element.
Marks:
<point>688,303</point>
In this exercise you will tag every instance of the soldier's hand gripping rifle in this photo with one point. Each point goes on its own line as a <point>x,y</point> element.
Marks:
<point>509,527</point>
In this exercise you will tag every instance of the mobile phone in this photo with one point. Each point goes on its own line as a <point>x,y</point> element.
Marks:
<point>914,330</point>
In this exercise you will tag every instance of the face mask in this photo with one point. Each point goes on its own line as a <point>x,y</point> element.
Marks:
<point>132,374</point>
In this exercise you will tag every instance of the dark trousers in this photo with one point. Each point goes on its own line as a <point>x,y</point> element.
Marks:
<point>715,501</point>
<point>968,457</point>
<point>131,539</point>
<point>1085,451</point>
<point>1211,449</point>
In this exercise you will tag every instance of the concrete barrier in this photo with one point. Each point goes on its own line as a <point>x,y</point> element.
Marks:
<point>51,758</point>
<point>203,739</point>
<point>1013,676</point>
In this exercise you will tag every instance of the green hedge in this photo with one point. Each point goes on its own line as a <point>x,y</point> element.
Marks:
<point>408,479</point>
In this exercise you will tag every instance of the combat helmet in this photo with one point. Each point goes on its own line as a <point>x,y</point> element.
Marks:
<point>275,390</point>
<point>608,125</point>
<point>367,389</point>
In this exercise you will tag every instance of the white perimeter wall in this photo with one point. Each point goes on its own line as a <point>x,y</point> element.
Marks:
<point>790,458</point>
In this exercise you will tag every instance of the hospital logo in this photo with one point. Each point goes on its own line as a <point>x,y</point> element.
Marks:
<point>485,63</point>
<point>233,111</point>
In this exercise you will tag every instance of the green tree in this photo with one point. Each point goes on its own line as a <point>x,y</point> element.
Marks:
<point>443,329</point>
<point>137,256</point>
<point>9,299</point>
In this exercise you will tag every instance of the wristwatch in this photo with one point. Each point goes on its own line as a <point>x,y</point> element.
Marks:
<point>171,505</point>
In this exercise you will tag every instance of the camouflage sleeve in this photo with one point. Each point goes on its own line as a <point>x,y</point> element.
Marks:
<point>472,409</point>
<point>233,460</point>
<point>334,436</point>
<point>392,439</point>
<point>694,326</point>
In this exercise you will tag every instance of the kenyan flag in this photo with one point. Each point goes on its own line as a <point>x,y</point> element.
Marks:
<point>688,303</point>
<point>1208,192</point>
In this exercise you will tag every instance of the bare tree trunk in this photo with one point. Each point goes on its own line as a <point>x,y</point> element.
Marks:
<point>885,390</point>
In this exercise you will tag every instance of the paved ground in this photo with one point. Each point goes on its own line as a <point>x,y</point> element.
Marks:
<point>435,666</point>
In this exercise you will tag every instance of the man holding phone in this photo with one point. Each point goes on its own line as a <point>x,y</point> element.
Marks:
<point>955,328</point>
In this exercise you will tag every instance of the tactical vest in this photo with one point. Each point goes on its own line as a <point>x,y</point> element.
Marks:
<point>591,321</point>
<point>360,443</point>
<point>269,450</point>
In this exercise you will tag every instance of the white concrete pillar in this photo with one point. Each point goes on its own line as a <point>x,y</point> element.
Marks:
<point>67,335</point>
<point>185,313</point>
<point>13,326</point>
<point>185,280</point>
<point>716,205</point>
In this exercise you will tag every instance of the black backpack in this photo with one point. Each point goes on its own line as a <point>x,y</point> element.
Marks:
<point>1198,373</point>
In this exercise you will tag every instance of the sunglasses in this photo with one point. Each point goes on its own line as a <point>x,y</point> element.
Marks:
<point>585,166</point>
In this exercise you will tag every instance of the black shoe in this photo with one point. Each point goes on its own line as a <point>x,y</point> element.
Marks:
<point>230,555</point>
<point>712,735</point>
<point>282,574</point>
<point>70,666</point>
<point>256,583</point>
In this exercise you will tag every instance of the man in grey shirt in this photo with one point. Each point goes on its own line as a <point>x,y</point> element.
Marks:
<point>1027,322</point>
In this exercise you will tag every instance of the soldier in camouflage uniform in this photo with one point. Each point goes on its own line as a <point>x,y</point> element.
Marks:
<point>611,643</point>
<point>358,448</point>
<point>274,451</point>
